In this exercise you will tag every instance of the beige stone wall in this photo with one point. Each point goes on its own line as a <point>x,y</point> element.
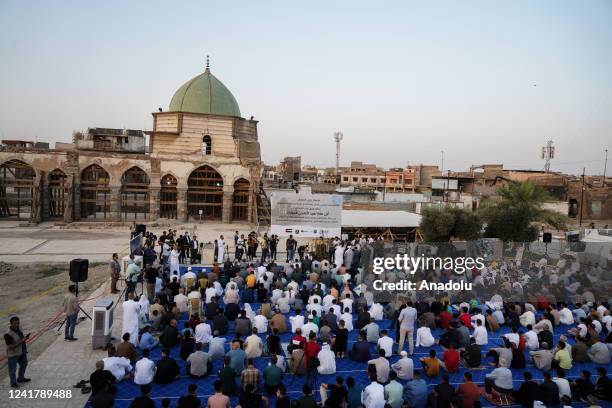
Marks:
<point>189,141</point>
<point>115,164</point>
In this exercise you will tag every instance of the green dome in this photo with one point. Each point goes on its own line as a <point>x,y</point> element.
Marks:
<point>205,94</point>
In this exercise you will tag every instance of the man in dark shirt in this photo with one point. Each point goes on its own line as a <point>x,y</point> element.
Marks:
<point>101,378</point>
<point>444,393</point>
<point>174,286</point>
<point>361,349</point>
<point>220,323</point>
<point>273,342</point>
<point>250,399</point>
<point>307,400</point>
<point>103,399</point>
<point>151,277</point>
<point>550,391</point>
<point>190,400</point>
<point>363,318</point>
<point>167,369</point>
<point>603,385</point>
<point>583,387</point>
<point>472,355</point>
<point>149,255</point>
<point>16,352</point>
<point>170,336</point>
<point>451,336</point>
<point>143,401</point>
<point>211,309</point>
<point>545,336</point>
<point>227,375</point>
<point>231,311</point>
<point>282,400</point>
<point>529,391</point>
<point>337,393</point>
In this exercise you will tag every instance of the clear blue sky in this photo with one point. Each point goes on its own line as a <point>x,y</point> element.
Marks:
<point>403,80</point>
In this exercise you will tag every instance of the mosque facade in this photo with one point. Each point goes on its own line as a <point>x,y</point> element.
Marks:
<point>202,163</point>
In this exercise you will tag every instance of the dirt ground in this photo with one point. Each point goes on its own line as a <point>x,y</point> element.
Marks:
<point>34,292</point>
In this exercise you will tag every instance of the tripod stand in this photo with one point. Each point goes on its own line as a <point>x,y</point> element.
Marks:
<point>80,308</point>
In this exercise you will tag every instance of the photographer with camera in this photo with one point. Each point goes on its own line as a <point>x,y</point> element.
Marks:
<point>16,352</point>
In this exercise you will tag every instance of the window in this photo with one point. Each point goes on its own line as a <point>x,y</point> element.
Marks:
<point>364,179</point>
<point>355,179</point>
<point>344,178</point>
<point>373,180</point>
<point>206,145</point>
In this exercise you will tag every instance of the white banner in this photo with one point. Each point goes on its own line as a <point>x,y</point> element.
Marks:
<point>306,215</point>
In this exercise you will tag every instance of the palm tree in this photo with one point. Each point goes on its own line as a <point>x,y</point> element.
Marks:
<point>519,206</point>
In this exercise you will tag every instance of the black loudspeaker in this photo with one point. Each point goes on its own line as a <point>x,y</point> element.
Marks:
<point>78,270</point>
<point>141,229</point>
<point>547,237</point>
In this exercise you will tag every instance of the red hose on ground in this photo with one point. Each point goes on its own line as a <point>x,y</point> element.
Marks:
<point>48,325</point>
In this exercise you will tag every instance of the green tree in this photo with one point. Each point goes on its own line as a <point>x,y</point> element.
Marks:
<point>512,216</point>
<point>440,224</point>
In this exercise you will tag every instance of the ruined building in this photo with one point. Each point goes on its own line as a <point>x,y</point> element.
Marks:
<point>202,163</point>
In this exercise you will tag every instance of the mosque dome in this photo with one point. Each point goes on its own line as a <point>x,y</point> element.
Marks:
<point>205,94</point>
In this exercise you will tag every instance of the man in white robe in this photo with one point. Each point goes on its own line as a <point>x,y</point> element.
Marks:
<point>376,311</point>
<point>221,247</point>
<point>424,338</point>
<point>339,256</point>
<point>203,333</point>
<point>131,315</point>
<point>174,263</point>
<point>327,360</point>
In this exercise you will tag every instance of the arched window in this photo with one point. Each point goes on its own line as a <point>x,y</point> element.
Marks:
<point>57,193</point>
<point>240,202</point>
<point>135,194</point>
<point>16,189</point>
<point>95,193</point>
<point>206,145</point>
<point>205,194</point>
<point>167,197</point>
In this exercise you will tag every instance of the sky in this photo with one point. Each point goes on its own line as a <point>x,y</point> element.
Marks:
<point>483,81</point>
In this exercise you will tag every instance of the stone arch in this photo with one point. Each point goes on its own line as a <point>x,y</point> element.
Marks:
<point>168,195</point>
<point>240,200</point>
<point>205,193</point>
<point>57,192</point>
<point>135,194</point>
<point>17,179</point>
<point>95,193</point>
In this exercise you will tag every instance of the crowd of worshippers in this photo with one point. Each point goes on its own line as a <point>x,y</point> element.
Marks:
<point>328,303</point>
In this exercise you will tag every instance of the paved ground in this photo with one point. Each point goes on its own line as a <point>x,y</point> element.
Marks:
<point>63,364</point>
<point>52,244</point>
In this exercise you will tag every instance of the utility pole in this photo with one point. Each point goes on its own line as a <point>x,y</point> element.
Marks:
<point>446,186</point>
<point>581,198</point>
<point>338,136</point>
<point>442,166</point>
<point>603,181</point>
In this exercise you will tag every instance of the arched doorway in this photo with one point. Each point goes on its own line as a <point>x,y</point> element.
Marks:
<point>95,193</point>
<point>167,197</point>
<point>205,194</point>
<point>240,202</point>
<point>57,193</point>
<point>135,201</point>
<point>16,189</point>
